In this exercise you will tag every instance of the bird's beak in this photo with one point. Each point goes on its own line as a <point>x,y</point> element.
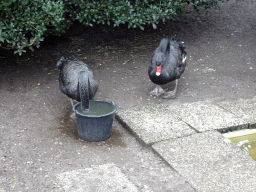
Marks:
<point>158,70</point>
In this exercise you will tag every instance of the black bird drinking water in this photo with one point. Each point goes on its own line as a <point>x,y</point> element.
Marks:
<point>76,80</point>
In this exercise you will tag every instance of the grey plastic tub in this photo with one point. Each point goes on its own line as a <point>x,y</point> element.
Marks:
<point>95,128</point>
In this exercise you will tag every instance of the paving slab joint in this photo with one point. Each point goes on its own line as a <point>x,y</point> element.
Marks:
<point>127,127</point>
<point>250,124</point>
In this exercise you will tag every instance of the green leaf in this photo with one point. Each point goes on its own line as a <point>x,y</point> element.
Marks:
<point>13,180</point>
<point>154,25</point>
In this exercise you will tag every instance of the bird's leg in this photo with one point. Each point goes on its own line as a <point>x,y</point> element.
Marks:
<point>73,115</point>
<point>171,94</point>
<point>71,101</point>
<point>157,91</point>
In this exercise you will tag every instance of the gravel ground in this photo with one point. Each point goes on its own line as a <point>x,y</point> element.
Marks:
<point>38,140</point>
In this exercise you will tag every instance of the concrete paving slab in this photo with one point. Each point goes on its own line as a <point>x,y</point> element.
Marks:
<point>210,162</point>
<point>205,116</point>
<point>154,123</point>
<point>105,177</point>
<point>243,108</point>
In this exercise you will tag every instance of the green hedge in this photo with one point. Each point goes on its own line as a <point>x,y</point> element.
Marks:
<point>25,23</point>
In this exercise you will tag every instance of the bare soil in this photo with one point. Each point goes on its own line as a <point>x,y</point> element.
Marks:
<point>38,140</point>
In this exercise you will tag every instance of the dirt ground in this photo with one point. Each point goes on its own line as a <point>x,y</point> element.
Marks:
<point>38,140</point>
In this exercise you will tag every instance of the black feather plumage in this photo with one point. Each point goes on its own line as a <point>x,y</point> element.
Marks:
<point>171,55</point>
<point>69,70</point>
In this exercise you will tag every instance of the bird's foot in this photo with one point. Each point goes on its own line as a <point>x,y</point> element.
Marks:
<point>169,95</point>
<point>73,116</point>
<point>157,91</point>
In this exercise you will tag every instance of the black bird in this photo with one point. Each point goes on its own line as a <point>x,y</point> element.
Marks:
<point>167,65</point>
<point>72,69</point>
